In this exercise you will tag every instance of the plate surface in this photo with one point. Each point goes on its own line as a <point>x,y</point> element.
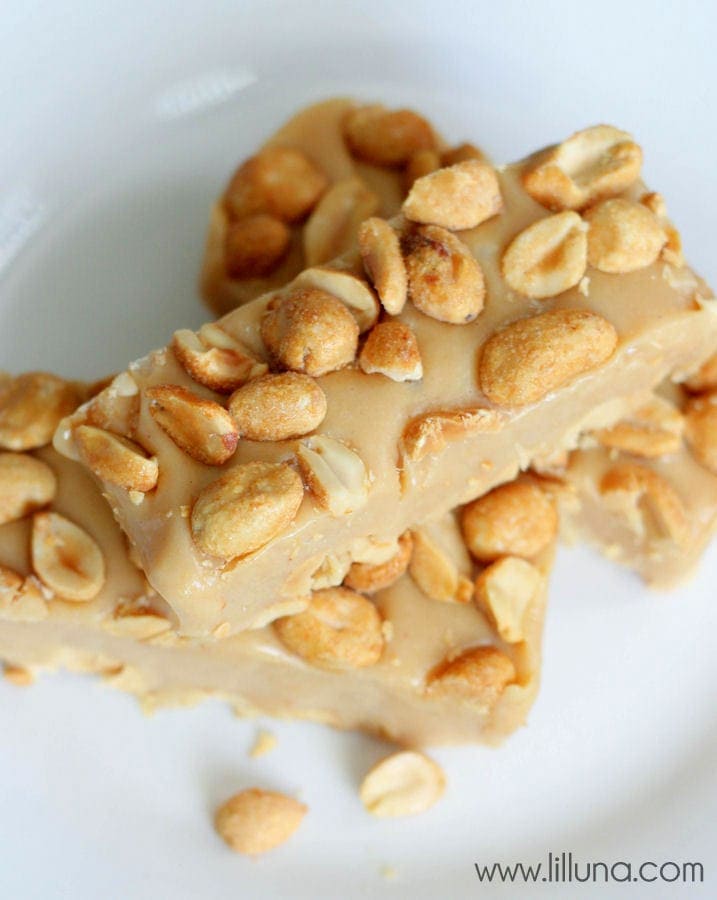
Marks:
<point>120,124</point>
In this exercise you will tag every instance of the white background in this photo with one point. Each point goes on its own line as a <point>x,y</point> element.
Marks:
<point>120,123</point>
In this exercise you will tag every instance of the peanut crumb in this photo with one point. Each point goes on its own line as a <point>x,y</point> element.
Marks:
<point>264,743</point>
<point>18,675</point>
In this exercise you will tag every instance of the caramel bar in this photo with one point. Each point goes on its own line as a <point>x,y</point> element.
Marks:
<point>397,383</point>
<point>415,657</point>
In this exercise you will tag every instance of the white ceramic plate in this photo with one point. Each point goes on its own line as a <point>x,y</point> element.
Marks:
<point>119,124</point>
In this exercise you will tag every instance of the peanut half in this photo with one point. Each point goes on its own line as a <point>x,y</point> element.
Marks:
<point>383,261</point>
<point>244,509</point>
<point>26,484</point>
<point>701,429</point>
<point>351,290</point>
<point>213,358</point>
<point>478,676</point>
<point>369,578</point>
<point>386,137</point>
<point>532,357</point>
<point>278,407</point>
<point>255,821</point>
<point>333,226</point>
<point>335,474</point>
<point>32,406</point>
<point>458,197</point>
<point>391,349</point>
<point>66,558</point>
<point>597,162</point>
<point>506,590</point>
<point>623,236</point>
<point>22,599</point>
<point>310,331</point>
<point>444,280</point>
<point>653,430</point>
<point>115,459</point>
<point>201,428</point>
<point>403,784</point>
<point>515,519</point>
<point>548,257</point>
<point>339,629</point>
<point>434,569</point>
<point>430,433</point>
<point>254,246</point>
<point>705,378</point>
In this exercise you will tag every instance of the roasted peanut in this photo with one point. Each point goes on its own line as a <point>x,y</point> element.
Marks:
<point>387,137</point>
<point>505,590</point>
<point>213,358</point>
<point>66,558</point>
<point>255,821</point>
<point>403,784</point>
<point>701,429</point>
<point>115,459</point>
<point>478,676</point>
<point>391,349</point>
<point>369,578</point>
<point>333,226</point>
<point>459,197</point>
<point>278,407</point>
<point>335,474</point>
<point>26,484</point>
<point>381,254</point>
<point>31,407</point>
<point>254,246</point>
<point>623,236</point>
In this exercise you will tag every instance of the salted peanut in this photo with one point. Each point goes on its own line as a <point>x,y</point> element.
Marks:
<point>66,558</point>
<point>391,349</point>
<point>505,590</point>
<point>244,509</point>
<point>21,599</point>
<point>591,164</point>
<point>420,163</point>
<point>138,619</point>
<point>213,358</point>
<point>386,137</point>
<point>335,474</point>
<point>353,291</point>
<point>278,407</point>
<point>429,433</point>
<point>435,571</point>
<point>280,181</point>
<point>255,821</point>
<point>369,578</point>
<point>332,227</point>
<point>705,378</point>
<point>310,331</point>
<point>339,629</point>
<point>444,280</point>
<point>116,408</point>
<point>701,429</point>
<point>18,676</point>
<point>26,484</point>
<point>646,491</point>
<point>532,357</point>
<point>478,676</point>
<point>462,153</point>
<point>332,571</point>
<point>201,428</point>
<point>254,246</point>
<point>31,407</point>
<point>548,257</point>
<point>623,236</point>
<point>515,519</point>
<point>671,251</point>
<point>403,784</point>
<point>653,430</point>
<point>115,459</point>
<point>461,196</point>
<point>380,251</point>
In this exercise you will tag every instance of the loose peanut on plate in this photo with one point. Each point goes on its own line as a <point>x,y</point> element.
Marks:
<point>334,473</point>
<point>548,257</point>
<point>201,428</point>
<point>701,429</point>
<point>244,509</point>
<point>115,459</point>
<point>506,590</point>
<point>420,163</point>
<point>66,558</point>
<point>429,433</point>
<point>213,358</point>
<point>382,258</point>
<point>391,349</point>
<point>369,578</point>
<point>339,629</point>
<point>31,407</point>
<point>645,491</point>
<point>352,291</point>
<point>459,197</point>
<point>444,280</point>
<point>279,181</point>
<point>332,227</point>
<point>278,407</point>
<point>532,357</point>
<point>309,331</point>
<point>623,236</point>
<point>515,519</point>
<point>478,676</point>
<point>594,163</point>
<point>653,430</point>
<point>255,821</point>
<point>26,484</point>
<point>386,137</point>
<point>254,246</point>
<point>403,784</point>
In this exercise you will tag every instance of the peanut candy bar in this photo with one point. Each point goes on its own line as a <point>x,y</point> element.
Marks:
<point>566,297</point>
<point>420,643</point>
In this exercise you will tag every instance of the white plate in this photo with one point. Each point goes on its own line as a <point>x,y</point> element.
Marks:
<point>120,122</point>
